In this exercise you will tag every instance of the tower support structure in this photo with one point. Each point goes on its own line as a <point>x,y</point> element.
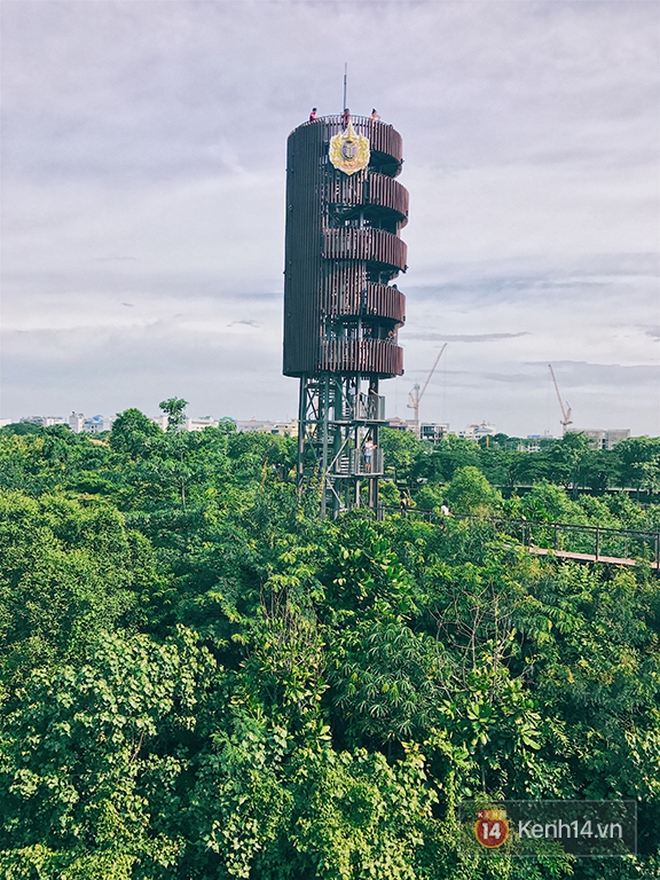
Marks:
<point>342,312</point>
<point>338,443</point>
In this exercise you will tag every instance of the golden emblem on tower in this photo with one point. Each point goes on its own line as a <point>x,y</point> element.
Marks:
<point>349,151</point>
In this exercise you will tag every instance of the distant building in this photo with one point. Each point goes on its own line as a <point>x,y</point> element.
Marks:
<point>284,429</point>
<point>98,424</point>
<point>433,431</point>
<point>44,421</point>
<point>200,423</point>
<point>600,438</point>
<point>76,422</point>
<point>82,424</point>
<point>478,432</point>
<point>161,421</point>
<point>397,424</point>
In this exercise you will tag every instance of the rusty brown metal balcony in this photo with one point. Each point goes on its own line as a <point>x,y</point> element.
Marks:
<point>370,245</point>
<point>385,192</point>
<point>383,138</point>
<point>374,190</point>
<point>347,292</point>
<point>370,356</point>
<point>386,301</point>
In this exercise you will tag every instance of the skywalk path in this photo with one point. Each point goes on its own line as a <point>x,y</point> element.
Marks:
<point>588,557</point>
<point>581,543</point>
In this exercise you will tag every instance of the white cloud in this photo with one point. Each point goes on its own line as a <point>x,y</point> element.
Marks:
<point>144,149</point>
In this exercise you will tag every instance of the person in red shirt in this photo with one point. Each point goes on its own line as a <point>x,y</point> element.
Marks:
<point>346,117</point>
<point>312,115</point>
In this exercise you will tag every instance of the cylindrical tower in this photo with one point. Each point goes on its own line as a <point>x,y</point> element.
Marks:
<point>345,210</point>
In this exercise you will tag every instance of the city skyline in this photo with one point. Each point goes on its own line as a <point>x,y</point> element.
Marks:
<point>143,204</point>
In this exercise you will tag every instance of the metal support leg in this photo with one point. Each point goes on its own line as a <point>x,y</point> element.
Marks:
<point>335,419</point>
<point>302,432</point>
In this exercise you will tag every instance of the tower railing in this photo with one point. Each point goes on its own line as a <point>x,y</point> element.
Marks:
<point>383,138</point>
<point>379,356</point>
<point>347,292</point>
<point>365,464</point>
<point>370,245</point>
<point>370,408</point>
<point>373,189</point>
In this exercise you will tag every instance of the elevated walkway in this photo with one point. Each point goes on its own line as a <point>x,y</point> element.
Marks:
<point>587,557</point>
<point>580,543</point>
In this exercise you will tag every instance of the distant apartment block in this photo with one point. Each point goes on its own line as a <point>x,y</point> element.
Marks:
<point>81,424</point>
<point>76,422</point>
<point>196,424</point>
<point>397,424</point>
<point>44,421</point>
<point>284,429</point>
<point>200,423</point>
<point>434,432</point>
<point>478,432</point>
<point>602,438</point>
<point>161,421</point>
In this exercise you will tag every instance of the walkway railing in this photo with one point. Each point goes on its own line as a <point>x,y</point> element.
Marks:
<point>569,540</point>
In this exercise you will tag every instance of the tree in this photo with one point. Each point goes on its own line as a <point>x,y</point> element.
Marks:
<point>640,462</point>
<point>97,792</point>
<point>566,458</point>
<point>401,449</point>
<point>511,468</point>
<point>600,469</point>
<point>20,428</point>
<point>446,458</point>
<point>174,408</point>
<point>430,497</point>
<point>69,571</point>
<point>234,688</point>
<point>547,502</point>
<point>134,434</point>
<point>470,492</point>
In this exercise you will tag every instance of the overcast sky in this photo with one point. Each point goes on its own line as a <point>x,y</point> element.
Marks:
<point>143,178</point>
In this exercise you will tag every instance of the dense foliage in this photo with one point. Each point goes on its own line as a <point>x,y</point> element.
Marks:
<point>202,680</point>
<point>510,462</point>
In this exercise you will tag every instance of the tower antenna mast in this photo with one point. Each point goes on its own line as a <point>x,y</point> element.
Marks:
<point>343,106</point>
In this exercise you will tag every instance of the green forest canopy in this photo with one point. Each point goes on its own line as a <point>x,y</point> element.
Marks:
<point>200,679</point>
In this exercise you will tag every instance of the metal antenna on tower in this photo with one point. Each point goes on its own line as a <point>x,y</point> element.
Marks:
<point>344,105</point>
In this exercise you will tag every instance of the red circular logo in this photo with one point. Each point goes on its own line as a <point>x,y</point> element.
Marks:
<point>491,828</point>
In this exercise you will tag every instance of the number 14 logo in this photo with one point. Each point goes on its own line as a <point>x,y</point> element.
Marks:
<point>491,828</point>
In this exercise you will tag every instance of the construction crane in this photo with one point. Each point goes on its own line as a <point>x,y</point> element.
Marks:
<point>566,411</point>
<point>416,395</point>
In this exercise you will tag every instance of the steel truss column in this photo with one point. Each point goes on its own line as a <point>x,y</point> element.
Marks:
<point>338,440</point>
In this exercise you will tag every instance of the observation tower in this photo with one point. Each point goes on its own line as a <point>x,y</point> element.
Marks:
<point>342,311</point>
